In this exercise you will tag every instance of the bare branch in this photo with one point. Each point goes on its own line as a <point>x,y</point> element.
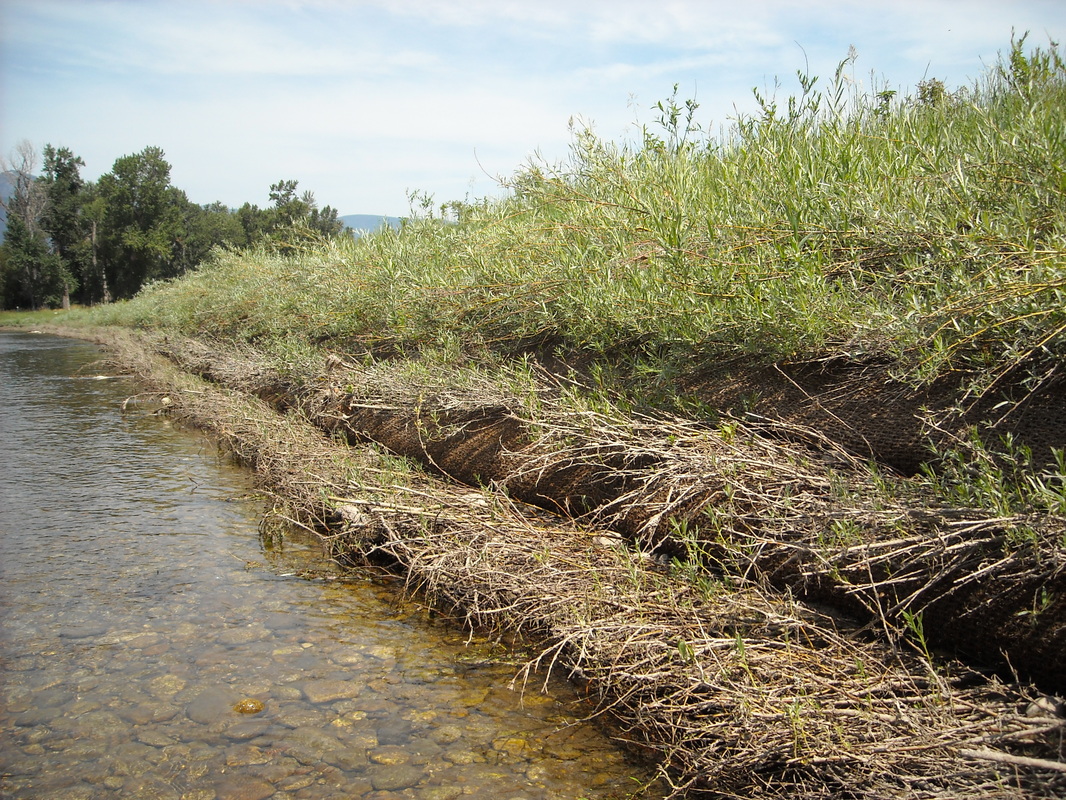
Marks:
<point>27,200</point>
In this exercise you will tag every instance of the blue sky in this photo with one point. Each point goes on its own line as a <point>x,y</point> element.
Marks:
<point>363,101</point>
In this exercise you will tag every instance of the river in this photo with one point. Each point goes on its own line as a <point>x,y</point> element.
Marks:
<point>141,616</point>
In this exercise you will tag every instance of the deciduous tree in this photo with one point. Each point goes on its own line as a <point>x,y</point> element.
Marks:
<point>63,218</point>
<point>141,222</point>
<point>34,276</point>
<point>205,227</point>
<point>296,216</point>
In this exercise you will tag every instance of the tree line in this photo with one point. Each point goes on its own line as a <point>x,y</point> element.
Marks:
<point>69,240</point>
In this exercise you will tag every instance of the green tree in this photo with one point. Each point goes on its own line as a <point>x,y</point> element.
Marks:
<point>325,221</point>
<point>33,275</point>
<point>255,222</point>
<point>292,218</point>
<point>94,279</point>
<point>297,217</point>
<point>142,220</point>
<point>206,227</point>
<point>63,217</point>
<point>289,209</point>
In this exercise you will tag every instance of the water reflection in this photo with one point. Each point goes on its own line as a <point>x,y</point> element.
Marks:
<point>137,608</point>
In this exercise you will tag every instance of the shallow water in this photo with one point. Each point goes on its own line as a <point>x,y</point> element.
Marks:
<point>138,606</point>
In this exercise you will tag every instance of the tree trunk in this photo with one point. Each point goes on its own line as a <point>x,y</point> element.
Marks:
<point>96,268</point>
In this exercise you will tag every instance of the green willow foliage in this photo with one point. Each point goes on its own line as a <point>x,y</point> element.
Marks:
<point>930,229</point>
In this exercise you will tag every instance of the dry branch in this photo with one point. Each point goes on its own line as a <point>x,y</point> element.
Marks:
<point>736,687</point>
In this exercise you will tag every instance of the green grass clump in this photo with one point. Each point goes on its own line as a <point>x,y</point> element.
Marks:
<point>44,317</point>
<point>928,229</point>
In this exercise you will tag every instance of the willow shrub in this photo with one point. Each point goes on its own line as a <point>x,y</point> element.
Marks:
<point>927,228</point>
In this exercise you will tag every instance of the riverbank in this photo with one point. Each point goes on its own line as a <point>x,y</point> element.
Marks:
<point>760,437</point>
<point>735,682</point>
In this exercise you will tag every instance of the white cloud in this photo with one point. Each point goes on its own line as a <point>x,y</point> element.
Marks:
<point>216,39</point>
<point>363,100</point>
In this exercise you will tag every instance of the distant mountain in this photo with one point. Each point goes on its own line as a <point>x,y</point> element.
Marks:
<point>7,188</point>
<point>368,222</point>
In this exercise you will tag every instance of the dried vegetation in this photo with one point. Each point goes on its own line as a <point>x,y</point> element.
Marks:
<point>748,656</point>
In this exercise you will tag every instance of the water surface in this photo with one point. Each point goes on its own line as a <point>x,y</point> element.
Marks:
<point>138,606</point>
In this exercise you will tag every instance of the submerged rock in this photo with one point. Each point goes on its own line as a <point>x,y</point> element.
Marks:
<point>209,705</point>
<point>249,705</point>
<point>326,691</point>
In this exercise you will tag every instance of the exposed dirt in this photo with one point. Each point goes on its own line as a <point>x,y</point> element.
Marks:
<point>863,408</point>
<point>777,656</point>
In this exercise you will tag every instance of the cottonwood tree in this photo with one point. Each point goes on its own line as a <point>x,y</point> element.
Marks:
<point>203,228</point>
<point>63,218</point>
<point>141,222</point>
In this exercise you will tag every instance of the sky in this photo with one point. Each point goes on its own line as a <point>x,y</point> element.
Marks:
<point>366,101</point>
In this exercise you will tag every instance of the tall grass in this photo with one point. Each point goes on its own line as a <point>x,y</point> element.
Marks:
<point>927,228</point>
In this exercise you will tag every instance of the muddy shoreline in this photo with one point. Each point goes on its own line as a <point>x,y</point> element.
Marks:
<point>681,575</point>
